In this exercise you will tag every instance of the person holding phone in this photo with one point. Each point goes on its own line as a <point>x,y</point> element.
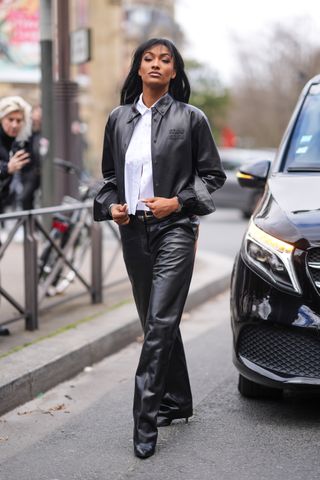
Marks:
<point>15,127</point>
<point>154,146</point>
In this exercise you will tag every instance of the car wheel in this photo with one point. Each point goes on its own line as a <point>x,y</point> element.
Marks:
<point>250,389</point>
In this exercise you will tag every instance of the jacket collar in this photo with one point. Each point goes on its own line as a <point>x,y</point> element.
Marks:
<point>161,106</point>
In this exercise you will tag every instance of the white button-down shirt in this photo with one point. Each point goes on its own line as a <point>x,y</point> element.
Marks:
<point>138,177</point>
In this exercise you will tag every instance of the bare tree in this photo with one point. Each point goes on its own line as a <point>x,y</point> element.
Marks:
<point>272,71</point>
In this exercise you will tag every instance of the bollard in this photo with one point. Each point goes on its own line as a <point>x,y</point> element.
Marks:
<point>96,263</point>
<point>30,274</point>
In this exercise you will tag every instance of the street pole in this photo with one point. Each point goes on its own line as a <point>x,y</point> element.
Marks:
<point>47,129</point>
<point>66,107</point>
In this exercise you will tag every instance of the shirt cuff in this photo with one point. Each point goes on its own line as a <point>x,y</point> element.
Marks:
<point>109,209</point>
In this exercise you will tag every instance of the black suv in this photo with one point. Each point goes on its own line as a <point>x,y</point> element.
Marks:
<point>275,288</point>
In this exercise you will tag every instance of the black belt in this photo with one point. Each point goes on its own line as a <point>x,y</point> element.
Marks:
<point>144,215</point>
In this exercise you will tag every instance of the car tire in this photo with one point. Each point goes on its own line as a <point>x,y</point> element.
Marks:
<point>250,389</point>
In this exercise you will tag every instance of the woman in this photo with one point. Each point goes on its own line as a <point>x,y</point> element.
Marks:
<point>15,129</point>
<point>154,145</point>
<point>14,126</point>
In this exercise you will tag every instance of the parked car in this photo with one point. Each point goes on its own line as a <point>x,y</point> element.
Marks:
<point>275,288</point>
<point>232,195</point>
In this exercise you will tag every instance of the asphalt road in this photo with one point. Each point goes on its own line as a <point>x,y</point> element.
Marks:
<point>222,231</point>
<point>82,429</point>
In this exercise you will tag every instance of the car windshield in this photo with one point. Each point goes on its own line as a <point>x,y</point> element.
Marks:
<point>304,150</point>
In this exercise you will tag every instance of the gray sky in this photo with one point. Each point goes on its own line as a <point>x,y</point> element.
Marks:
<point>212,26</point>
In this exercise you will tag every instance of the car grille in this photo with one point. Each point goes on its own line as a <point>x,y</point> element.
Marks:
<point>286,352</point>
<point>313,261</point>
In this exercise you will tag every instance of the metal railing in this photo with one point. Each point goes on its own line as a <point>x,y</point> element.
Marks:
<point>31,222</point>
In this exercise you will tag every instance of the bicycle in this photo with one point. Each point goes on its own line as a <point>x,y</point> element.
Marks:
<point>69,238</point>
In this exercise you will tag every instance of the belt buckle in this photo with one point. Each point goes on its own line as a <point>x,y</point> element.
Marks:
<point>148,214</point>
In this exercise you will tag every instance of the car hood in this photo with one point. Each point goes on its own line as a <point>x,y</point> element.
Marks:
<point>291,209</point>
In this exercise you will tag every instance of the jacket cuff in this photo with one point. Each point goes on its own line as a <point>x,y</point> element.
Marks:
<point>186,197</point>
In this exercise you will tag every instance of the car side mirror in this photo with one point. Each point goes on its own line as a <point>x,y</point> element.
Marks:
<point>254,175</point>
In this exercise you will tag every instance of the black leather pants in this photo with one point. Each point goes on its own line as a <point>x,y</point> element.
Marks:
<point>159,257</point>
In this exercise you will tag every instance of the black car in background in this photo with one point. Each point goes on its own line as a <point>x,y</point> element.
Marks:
<point>275,288</point>
<point>232,195</point>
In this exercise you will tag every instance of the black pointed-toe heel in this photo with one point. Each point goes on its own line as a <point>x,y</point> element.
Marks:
<point>144,450</point>
<point>164,420</point>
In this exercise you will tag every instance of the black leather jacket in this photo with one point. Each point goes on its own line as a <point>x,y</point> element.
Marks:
<point>181,144</point>
<point>6,144</point>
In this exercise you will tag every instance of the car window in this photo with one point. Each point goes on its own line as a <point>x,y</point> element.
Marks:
<point>303,153</point>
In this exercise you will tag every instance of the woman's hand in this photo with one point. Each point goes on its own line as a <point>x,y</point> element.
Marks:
<point>162,207</point>
<point>17,161</point>
<point>119,213</point>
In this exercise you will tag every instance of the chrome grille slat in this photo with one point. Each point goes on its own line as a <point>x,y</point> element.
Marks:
<point>314,265</point>
<point>313,262</point>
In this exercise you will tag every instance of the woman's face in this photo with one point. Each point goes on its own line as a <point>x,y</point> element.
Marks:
<point>157,67</point>
<point>12,123</point>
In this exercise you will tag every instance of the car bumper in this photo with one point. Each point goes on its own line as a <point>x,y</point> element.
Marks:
<point>276,335</point>
<point>266,377</point>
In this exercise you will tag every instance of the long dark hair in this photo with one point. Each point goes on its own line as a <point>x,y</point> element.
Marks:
<point>179,87</point>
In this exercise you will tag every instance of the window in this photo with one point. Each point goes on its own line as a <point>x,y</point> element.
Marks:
<point>304,149</point>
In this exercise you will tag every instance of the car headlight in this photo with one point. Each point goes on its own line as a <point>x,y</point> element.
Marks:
<point>272,257</point>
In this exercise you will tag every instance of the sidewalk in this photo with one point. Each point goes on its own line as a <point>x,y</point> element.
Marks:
<point>82,334</point>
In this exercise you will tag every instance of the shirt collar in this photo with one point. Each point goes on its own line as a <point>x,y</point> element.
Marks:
<point>142,108</point>
<point>161,105</point>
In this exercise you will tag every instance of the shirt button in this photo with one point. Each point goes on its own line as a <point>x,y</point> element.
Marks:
<point>157,184</point>
<point>154,141</point>
<point>154,119</point>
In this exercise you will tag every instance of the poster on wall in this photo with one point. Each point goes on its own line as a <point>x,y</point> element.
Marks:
<point>19,41</point>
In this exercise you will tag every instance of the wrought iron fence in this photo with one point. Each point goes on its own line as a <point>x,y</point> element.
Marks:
<point>31,222</point>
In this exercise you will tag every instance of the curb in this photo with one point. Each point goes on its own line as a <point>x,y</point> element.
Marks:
<point>39,367</point>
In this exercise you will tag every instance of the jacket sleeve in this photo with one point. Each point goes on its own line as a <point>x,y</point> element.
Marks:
<point>206,161</point>
<point>109,192</point>
<point>3,170</point>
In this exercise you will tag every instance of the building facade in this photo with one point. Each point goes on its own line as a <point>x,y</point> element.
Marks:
<point>117,27</point>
